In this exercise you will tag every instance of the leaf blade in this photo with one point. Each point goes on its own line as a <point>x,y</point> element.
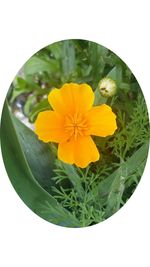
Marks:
<point>22,179</point>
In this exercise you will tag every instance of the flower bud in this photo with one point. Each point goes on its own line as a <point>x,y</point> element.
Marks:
<point>107,87</point>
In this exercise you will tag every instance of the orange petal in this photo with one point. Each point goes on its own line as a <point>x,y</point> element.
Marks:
<point>102,121</point>
<point>72,98</point>
<point>80,152</point>
<point>66,151</point>
<point>49,126</point>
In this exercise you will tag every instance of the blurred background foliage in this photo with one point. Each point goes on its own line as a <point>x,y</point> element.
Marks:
<point>93,194</point>
<point>68,61</point>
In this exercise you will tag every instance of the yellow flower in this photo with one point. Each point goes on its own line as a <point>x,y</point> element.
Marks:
<point>73,121</point>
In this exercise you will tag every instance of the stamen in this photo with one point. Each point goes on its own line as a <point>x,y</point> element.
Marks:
<point>76,125</point>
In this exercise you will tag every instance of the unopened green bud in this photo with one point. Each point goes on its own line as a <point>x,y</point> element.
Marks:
<point>107,87</point>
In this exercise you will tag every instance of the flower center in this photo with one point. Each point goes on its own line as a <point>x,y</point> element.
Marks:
<point>76,125</point>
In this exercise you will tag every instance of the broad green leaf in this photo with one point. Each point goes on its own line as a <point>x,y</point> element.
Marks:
<point>86,70</point>
<point>97,55</point>
<point>38,154</point>
<point>56,49</point>
<point>17,92</point>
<point>116,191</point>
<point>114,199</point>
<point>68,60</point>
<point>125,87</point>
<point>126,169</point>
<point>26,160</point>
<point>30,101</point>
<point>116,74</point>
<point>99,99</point>
<point>21,86</point>
<point>36,65</point>
<point>41,106</point>
<point>21,82</point>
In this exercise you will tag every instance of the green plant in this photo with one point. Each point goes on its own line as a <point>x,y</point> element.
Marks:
<point>59,192</point>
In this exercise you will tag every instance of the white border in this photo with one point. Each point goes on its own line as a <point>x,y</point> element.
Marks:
<point>25,239</point>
